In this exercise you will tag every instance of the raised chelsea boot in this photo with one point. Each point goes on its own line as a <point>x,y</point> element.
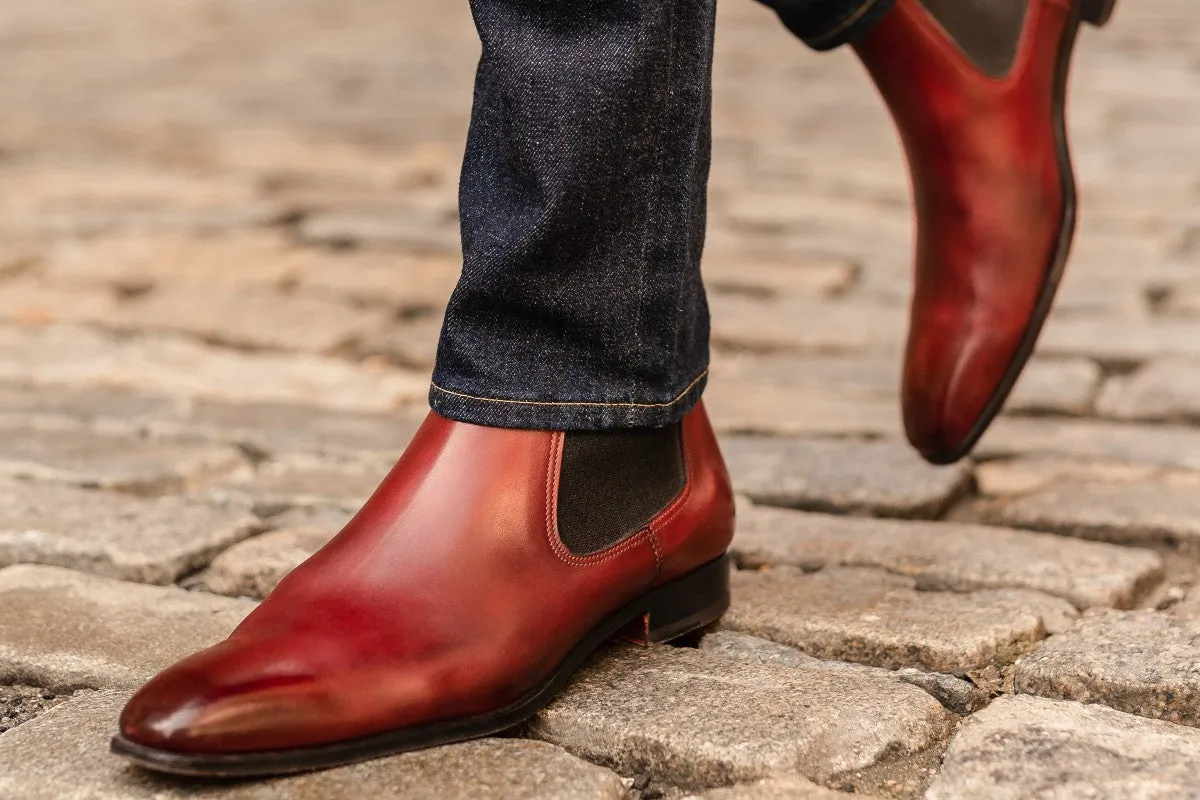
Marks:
<point>977,89</point>
<point>485,569</point>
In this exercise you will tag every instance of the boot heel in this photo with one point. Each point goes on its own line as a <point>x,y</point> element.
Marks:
<point>1096,12</point>
<point>684,605</point>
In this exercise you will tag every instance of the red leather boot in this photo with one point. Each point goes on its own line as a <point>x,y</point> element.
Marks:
<point>484,570</point>
<point>977,90</point>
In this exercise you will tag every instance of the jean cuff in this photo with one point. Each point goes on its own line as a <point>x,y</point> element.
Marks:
<point>827,31</point>
<point>550,415</point>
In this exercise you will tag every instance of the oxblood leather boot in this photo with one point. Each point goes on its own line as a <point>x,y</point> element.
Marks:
<point>977,89</point>
<point>488,565</point>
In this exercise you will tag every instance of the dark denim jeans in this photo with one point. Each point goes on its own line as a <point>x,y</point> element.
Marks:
<point>583,211</point>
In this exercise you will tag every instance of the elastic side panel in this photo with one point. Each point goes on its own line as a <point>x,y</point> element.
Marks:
<point>614,482</point>
<point>987,31</point>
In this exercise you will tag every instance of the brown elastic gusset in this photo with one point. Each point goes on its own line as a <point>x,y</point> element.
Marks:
<point>987,31</point>
<point>612,483</point>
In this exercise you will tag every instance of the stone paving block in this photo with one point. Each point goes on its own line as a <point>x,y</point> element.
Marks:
<point>63,755</point>
<point>66,630</point>
<point>1135,512</point>
<point>95,197</point>
<point>103,408</point>
<point>1018,476</point>
<point>114,535</point>
<point>277,429</point>
<point>30,300</point>
<point>728,275</point>
<point>1167,391</point>
<point>398,226</point>
<point>1067,386</point>
<point>1166,445</point>
<point>406,281</point>
<point>1142,662</point>
<point>805,325</point>
<point>1189,607</point>
<point>862,375</point>
<point>776,789</point>
<point>953,693</point>
<point>256,566</point>
<point>63,355</point>
<point>131,464</point>
<point>296,481</point>
<point>877,478</point>
<point>134,262</point>
<point>876,618</point>
<point>739,408</point>
<point>947,556</point>
<point>248,318</point>
<point>1031,747</point>
<point>699,720</point>
<point>410,343</point>
<point>1121,340</point>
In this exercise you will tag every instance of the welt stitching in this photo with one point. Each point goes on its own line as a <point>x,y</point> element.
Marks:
<point>668,404</point>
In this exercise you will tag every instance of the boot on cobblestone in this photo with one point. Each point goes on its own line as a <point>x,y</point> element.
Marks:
<point>489,564</point>
<point>978,89</point>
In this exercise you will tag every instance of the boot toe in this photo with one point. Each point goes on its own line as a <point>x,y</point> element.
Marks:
<point>949,393</point>
<point>210,704</point>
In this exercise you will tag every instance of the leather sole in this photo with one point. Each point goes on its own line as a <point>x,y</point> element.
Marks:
<point>1096,13</point>
<point>673,610</point>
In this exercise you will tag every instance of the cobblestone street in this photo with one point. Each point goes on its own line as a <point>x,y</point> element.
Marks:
<point>227,232</point>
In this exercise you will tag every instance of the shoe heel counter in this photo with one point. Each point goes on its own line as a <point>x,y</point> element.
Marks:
<point>699,526</point>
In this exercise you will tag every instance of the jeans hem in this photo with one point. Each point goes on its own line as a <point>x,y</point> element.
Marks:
<point>563,415</point>
<point>845,30</point>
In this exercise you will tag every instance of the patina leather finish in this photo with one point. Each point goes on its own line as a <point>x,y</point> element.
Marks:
<point>995,204</point>
<point>449,595</point>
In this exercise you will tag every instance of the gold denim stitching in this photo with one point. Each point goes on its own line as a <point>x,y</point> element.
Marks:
<point>672,402</point>
<point>846,23</point>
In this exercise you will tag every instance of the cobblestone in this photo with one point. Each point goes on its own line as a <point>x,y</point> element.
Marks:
<point>1068,386</point>
<point>283,430</point>
<point>1139,662</point>
<point>883,479</point>
<point>1030,747</point>
<point>955,694</point>
<point>698,719</point>
<point>1142,512</point>
<point>137,465</point>
<point>63,755</point>
<point>297,481</point>
<point>254,567</point>
<point>1164,445</point>
<point>66,630</point>
<point>948,556</point>
<point>149,541</point>
<point>1019,476</point>
<point>1162,391</point>
<point>103,408</point>
<point>75,357</point>
<point>876,618</point>
<point>228,232</point>
<point>775,789</point>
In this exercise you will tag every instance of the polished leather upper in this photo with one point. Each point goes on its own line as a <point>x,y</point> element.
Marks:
<point>990,193</point>
<point>448,595</point>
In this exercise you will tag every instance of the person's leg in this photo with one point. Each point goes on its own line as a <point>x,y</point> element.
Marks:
<point>567,486</point>
<point>583,209</point>
<point>978,91</point>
